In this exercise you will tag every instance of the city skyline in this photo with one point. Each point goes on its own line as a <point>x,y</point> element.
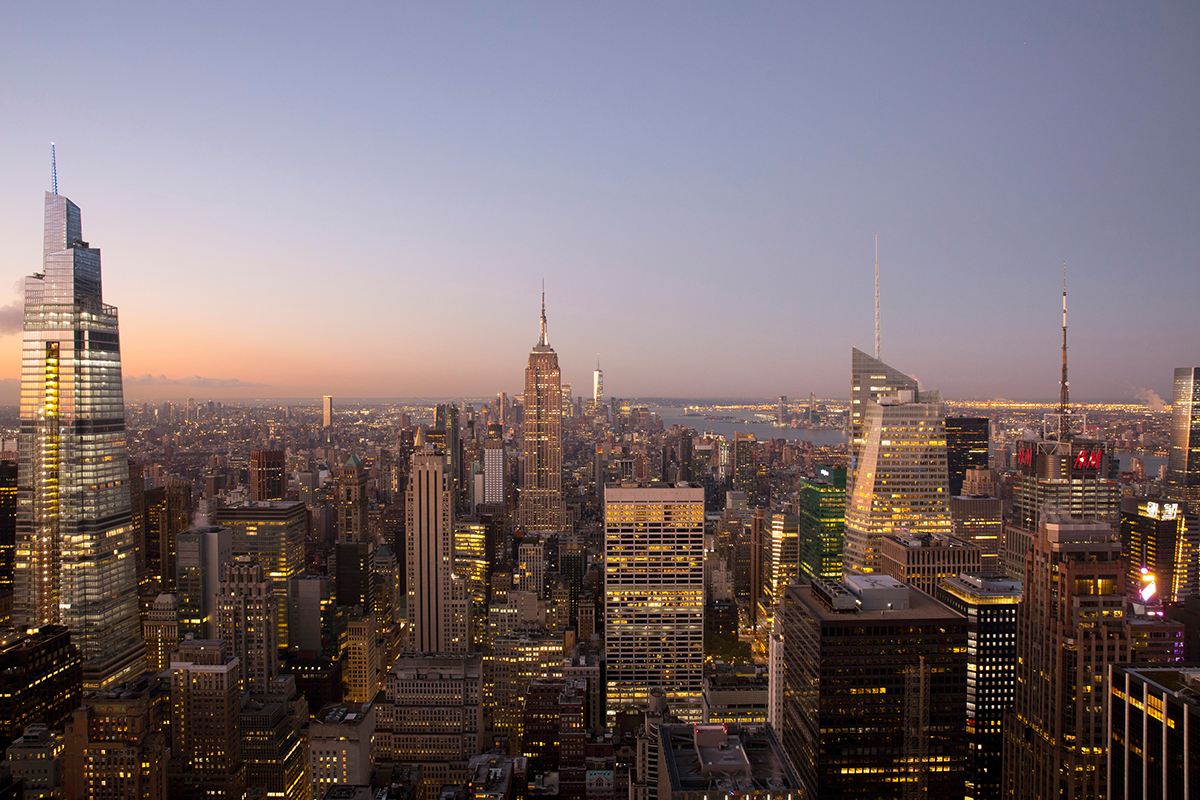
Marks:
<point>698,190</point>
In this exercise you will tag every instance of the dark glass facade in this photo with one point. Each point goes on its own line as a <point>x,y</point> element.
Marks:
<point>1183,461</point>
<point>967,441</point>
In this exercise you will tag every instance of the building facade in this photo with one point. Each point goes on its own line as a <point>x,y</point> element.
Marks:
<point>1183,460</point>
<point>654,595</point>
<point>541,504</point>
<point>1070,627</point>
<point>872,678</point>
<point>438,610</point>
<point>899,476</point>
<point>75,555</point>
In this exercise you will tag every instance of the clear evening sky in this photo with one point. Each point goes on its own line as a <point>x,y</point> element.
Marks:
<point>363,200</point>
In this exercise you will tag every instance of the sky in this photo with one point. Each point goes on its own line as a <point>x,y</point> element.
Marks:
<point>363,200</point>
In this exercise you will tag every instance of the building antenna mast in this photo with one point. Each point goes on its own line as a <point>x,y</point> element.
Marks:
<point>878,344</point>
<point>1064,390</point>
<point>54,167</point>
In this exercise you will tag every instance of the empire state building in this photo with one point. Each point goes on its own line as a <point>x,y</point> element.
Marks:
<point>75,542</point>
<point>541,504</point>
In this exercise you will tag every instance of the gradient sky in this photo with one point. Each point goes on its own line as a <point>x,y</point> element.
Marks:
<point>363,200</point>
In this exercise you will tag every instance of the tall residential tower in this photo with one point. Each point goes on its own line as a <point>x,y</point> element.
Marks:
<point>1183,462</point>
<point>75,556</point>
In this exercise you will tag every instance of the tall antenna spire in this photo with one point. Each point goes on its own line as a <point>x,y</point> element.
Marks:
<point>878,340</point>
<point>1064,390</point>
<point>54,167</point>
<point>542,337</point>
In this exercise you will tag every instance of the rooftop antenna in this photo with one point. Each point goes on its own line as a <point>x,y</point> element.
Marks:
<point>1064,390</point>
<point>54,167</point>
<point>878,345</point>
<point>542,339</point>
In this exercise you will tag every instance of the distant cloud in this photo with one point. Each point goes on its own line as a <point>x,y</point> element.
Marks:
<point>195,380</point>
<point>1151,399</point>
<point>12,318</point>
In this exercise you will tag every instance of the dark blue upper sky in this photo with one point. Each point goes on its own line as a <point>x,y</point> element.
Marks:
<point>364,200</point>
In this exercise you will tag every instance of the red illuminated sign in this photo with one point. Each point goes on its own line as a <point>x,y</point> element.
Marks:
<point>1088,459</point>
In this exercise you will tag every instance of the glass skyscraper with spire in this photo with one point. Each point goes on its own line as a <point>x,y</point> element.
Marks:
<point>75,562</point>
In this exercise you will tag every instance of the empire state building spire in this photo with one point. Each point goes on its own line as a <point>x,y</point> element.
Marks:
<point>542,337</point>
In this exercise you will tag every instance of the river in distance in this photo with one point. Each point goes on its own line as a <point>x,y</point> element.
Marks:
<point>674,415</point>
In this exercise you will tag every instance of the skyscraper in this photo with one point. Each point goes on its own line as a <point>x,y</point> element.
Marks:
<point>1070,627</point>
<point>598,383</point>
<point>268,475</point>
<point>1183,462</point>
<point>967,442</point>
<point>437,599</point>
<point>327,410</point>
<point>900,475</point>
<point>870,379</point>
<point>246,621</point>
<point>542,507</point>
<point>75,556</point>
<point>654,596</point>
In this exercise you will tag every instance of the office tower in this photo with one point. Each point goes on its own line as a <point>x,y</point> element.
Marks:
<point>1183,462</point>
<point>822,511</point>
<point>781,413</point>
<point>275,747</point>
<point>387,602</point>
<point>1153,732</point>
<point>900,475</point>
<point>1161,543</point>
<point>979,520</point>
<point>967,442</point>
<point>340,739</point>
<point>206,731</point>
<point>873,677</point>
<point>780,558</point>
<point>1067,476</point>
<point>434,711</point>
<point>272,531</point>
<point>363,669</point>
<point>752,763</point>
<point>202,555</point>
<point>327,411</point>
<point>513,662</point>
<point>316,623</point>
<point>8,524</point>
<point>168,511</point>
<point>925,560</point>
<point>116,744</point>
<point>73,479</point>
<point>162,632</point>
<point>268,475</point>
<point>41,676</point>
<point>247,621</point>
<point>654,596</point>
<point>352,502</point>
<point>542,507</point>
<point>598,384</point>
<point>870,379</point>
<point>471,565</point>
<point>553,737</point>
<point>438,613</point>
<point>990,606</point>
<point>355,583</point>
<point>531,567</point>
<point>1070,627</point>
<point>745,469</point>
<point>494,468</point>
<point>446,419</point>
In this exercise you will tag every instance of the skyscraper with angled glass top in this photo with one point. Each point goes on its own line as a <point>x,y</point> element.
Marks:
<point>75,541</point>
